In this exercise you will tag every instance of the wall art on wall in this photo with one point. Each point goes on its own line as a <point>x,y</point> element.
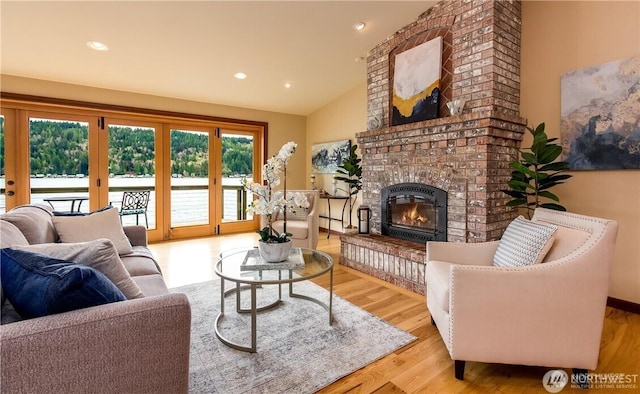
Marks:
<point>600,116</point>
<point>327,156</point>
<point>416,83</point>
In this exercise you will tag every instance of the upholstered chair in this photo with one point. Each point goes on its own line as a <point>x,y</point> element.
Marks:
<point>547,314</point>
<point>303,224</point>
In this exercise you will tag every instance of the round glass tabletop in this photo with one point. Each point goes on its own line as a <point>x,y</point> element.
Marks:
<point>245,266</point>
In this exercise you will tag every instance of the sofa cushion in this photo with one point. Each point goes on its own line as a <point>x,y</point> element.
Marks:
<point>151,285</point>
<point>100,254</point>
<point>34,221</point>
<point>524,243</point>
<point>138,263</point>
<point>39,285</point>
<point>103,224</point>
<point>9,235</point>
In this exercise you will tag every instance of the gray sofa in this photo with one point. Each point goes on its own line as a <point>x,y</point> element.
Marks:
<point>135,346</point>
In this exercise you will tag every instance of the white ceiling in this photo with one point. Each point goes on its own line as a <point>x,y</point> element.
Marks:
<point>191,49</point>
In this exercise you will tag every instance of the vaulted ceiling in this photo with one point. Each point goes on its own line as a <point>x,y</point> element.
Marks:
<point>192,49</point>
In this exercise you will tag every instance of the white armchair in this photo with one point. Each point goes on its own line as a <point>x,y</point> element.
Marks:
<point>549,314</point>
<point>304,225</point>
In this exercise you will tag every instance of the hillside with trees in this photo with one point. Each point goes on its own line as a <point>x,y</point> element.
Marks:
<point>61,148</point>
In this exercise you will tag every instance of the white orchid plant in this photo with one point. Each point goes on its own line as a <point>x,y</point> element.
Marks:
<point>269,201</point>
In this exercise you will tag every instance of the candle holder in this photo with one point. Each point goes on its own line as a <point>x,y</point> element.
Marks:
<point>364,215</point>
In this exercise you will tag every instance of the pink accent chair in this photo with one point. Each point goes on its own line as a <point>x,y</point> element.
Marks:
<point>549,314</point>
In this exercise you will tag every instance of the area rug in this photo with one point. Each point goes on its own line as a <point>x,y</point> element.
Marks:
<point>297,350</point>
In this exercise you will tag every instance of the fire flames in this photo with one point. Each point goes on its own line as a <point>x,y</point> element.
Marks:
<point>412,217</point>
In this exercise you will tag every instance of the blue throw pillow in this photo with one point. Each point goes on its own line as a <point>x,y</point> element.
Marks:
<point>40,285</point>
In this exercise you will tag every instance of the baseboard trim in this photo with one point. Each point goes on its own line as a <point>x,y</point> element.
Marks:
<point>333,232</point>
<point>626,306</point>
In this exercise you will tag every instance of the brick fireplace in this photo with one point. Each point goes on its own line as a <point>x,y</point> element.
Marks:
<point>464,155</point>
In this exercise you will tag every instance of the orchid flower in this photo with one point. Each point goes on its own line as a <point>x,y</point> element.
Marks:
<point>269,201</point>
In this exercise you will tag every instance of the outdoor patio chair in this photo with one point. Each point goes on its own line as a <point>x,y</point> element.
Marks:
<point>134,203</point>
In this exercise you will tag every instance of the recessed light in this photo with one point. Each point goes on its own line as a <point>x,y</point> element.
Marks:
<point>240,75</point>
<point>98,46</point>
<point>287,85</point>
<point>359,26</point>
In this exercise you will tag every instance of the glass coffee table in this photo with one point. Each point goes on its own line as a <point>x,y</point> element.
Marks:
<point>234,266</point>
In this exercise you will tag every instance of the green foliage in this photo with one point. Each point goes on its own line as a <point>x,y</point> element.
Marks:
<point>536,172</point>
<point>131,151</point>
<point>63,148</point>
<point>237,156</point>
<point>266,235</point>
<point>352,171</point>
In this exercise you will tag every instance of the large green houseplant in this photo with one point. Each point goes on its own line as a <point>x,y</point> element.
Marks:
<point>535,172</point>
<point>352,176</point>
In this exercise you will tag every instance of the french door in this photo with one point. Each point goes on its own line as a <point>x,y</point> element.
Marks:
<point>45,156</point>
<point>241,158</point>
<point>193,169</point>
<point>131,163</point>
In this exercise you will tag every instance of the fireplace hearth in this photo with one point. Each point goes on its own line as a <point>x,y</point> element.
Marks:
<point>414,212</point>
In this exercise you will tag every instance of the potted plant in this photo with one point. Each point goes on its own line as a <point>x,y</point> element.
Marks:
<point>274,246</point>
<point>352,176</point>
<point>535,172</point>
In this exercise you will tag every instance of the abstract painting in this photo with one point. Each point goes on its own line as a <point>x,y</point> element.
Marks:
<point>416,83</point>
<point>327,156</point>
<point>600,116</point>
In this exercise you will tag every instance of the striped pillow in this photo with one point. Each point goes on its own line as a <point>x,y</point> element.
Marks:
<point>297,213</point>
<point>524,243</point>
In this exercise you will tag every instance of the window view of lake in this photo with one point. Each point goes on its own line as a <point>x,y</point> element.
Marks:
<point>188,204</point>
<point>59,164</point>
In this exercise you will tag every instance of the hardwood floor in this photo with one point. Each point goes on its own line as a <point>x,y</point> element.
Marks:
<point>423,366</point>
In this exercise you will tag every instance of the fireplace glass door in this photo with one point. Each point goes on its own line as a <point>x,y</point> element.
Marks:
<point>412,212</point>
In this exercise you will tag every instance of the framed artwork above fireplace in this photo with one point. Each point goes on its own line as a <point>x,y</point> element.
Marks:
<point>416,83</point>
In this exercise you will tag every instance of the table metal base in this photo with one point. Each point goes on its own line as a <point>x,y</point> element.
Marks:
<point>254,309</point>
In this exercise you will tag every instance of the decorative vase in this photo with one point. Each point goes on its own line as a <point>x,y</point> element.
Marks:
<point>456,106</point>
<point>274,252</point>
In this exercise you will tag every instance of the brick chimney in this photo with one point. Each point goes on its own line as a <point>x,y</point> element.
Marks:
<point>467,155</point>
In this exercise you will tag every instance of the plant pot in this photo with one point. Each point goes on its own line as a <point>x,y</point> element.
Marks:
<point>274,252</point>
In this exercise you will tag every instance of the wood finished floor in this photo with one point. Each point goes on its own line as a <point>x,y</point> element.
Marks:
<point>423,366</point>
